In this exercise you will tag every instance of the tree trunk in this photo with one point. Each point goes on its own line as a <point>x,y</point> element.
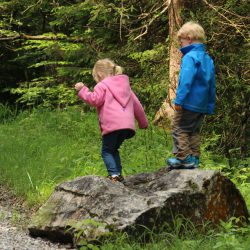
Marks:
<point>166,110</point>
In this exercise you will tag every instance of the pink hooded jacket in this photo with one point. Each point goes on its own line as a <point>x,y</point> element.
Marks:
<point>116,103</point>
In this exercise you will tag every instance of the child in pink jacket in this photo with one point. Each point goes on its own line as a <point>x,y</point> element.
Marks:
<point>117,108</point>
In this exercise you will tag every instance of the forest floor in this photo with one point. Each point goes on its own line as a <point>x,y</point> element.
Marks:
<point>14,220</point>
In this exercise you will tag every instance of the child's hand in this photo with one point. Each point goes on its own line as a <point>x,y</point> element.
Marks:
<point>79,86</point>
<point>177,107</point>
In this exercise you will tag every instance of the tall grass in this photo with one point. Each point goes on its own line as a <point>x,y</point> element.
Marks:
<point>42,148</point>
<point>183,236</point>
<point>210,241</point>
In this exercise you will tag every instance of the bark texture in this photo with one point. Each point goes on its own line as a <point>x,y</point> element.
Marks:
<point>148,200</point>
<point>166,110</point>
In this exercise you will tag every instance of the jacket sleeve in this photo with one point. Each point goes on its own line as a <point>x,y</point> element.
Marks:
<point>95,98</point>
<point>212,93</point>
<point>139,113</point>
<point>187,74</point>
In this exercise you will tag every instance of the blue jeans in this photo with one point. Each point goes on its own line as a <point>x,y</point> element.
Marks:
<point>110,145</point>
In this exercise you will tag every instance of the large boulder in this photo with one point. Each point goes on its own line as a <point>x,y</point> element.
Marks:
<point>148,199</point>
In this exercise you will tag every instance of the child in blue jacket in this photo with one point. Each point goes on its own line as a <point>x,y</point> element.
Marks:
<point>195,96</point>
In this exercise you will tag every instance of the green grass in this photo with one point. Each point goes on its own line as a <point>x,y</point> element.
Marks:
<point>42,148</point>
<point>212,241</point>
<point>184,236</point>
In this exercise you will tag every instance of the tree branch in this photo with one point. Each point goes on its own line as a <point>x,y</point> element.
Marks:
<point>229,22</point>
<point>146,26</point>
<point>41,37</point>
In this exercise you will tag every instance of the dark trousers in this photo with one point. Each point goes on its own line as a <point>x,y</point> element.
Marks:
<point>110,145</point>
<point>186,133</point>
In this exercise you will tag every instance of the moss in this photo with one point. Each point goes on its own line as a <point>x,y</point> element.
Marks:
<point>44,215</point>
<point>193,186</point>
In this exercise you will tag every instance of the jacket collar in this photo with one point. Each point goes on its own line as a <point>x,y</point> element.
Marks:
<point>193,47</point>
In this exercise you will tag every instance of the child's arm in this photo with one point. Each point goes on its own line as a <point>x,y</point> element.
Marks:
<point>139,113</point>
<point>187,74</point>
<point>95,98</point>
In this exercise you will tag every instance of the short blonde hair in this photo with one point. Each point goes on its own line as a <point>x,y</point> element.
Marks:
<point>104,68</point>
<point>192,30</point>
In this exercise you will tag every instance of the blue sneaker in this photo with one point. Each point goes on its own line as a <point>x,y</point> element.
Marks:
<point>174,162</point>
<point>197,161</point>
<point>188,163</point>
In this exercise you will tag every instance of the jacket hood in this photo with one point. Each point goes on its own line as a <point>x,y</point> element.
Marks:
<point>193,47</point>
<point>119,87</point>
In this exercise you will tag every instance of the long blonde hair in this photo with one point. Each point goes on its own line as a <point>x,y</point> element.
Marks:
<point>104,68</point>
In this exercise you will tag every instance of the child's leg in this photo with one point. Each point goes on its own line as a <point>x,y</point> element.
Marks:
<point>194,137</point>
<point>109,142</point>
<point>110,150</point>
<point>180,133</point>
<point>195,144</point>
<point>118,161</point>
<point>123,135</point>
<point>185,123</point>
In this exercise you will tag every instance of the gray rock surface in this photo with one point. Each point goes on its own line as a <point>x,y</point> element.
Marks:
<point>149,199</point>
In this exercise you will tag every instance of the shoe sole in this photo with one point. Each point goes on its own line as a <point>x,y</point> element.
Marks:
<point>185,165</point>
<point>116,179</point>
<point>180,167</point>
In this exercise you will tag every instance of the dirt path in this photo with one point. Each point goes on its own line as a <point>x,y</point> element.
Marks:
<point>14,218</point>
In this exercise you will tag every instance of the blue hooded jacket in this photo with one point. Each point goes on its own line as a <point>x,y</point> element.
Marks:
<point>196,89</point>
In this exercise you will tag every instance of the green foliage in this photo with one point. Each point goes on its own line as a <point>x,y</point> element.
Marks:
<point>152,84</point>
<point>88,229</point>
<point>135,35</point>
<point>231,235</point>
<point>45,147</point>
<point>52,66</point>
<point>184,236</point>
<point>42,148</point>
<point>6,113</point>
<point>55,87</point>
<point>45,70</point>
<point>226,27</point>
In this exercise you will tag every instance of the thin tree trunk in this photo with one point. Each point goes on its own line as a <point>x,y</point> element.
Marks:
<point>166,110</point>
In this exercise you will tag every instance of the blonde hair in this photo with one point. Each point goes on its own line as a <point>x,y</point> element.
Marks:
<point>192,30</point>
<point>104,68</point>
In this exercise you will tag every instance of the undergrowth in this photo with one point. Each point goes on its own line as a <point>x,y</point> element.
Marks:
<point>183,235</point>
<point>41,148</point>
